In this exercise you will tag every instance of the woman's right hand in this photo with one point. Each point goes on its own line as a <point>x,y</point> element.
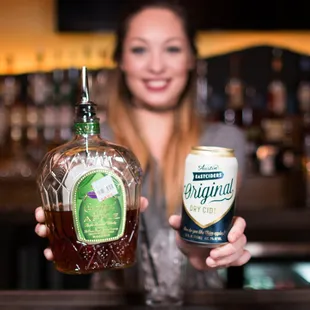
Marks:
<point>42,230</point>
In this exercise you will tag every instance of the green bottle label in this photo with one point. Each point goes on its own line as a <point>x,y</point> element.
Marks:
<point>99,207</point>
<point>87,128</point>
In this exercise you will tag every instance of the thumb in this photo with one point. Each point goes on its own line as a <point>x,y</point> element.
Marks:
<point>175,221</point>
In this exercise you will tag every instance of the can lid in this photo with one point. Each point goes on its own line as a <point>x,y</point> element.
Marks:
<point>213,151</point>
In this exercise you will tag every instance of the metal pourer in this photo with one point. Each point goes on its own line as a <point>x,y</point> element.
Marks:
<point>85,109</point>
<point>85,88</point>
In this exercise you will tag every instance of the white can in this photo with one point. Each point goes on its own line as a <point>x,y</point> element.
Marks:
<point>209,195</point>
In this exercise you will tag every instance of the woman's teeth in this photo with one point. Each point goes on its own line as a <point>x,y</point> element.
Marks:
<point>157,83</point>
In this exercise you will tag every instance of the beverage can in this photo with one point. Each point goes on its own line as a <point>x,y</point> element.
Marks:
<point>209,195</point>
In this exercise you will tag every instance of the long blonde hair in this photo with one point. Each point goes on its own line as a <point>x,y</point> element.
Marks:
<point>187,124</point>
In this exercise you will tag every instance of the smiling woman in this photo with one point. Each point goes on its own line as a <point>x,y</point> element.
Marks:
<point>153,92</point>
<point>152,111</point>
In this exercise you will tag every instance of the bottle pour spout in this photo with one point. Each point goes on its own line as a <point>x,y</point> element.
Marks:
<point>85,88</point>
<point>85,109</point>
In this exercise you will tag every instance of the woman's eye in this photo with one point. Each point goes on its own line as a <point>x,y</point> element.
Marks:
<point>173,49</point>
<point>138,50</point>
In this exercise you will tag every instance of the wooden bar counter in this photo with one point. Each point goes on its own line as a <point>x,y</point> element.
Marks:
<point>209,300</point>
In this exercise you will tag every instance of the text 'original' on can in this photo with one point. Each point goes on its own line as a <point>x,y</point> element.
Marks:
<point>209,195</point>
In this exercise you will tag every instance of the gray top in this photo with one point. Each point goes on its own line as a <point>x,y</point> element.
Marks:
<point>154,218</point>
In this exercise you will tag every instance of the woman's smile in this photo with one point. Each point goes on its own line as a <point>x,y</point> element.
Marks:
<point>156,85</point>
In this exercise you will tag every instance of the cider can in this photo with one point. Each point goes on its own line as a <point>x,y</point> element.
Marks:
<point>209,195</point>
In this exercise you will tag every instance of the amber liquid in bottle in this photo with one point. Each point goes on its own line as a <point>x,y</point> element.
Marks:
<point>72,254</point>
<point>90,191</point>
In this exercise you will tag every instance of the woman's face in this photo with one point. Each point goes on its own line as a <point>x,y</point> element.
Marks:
<point>156,58</point>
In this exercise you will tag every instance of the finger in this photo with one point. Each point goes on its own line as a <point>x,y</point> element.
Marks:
<point>198,263</point>
<point>175,221</point>
<point>143,204</point>
<point>237,230</point>
<point>48,254</point>
<point>229,249</point>
<point>224,262</point>
<point>39,215</point>
<point>243,259</point>
<point>41,230</point>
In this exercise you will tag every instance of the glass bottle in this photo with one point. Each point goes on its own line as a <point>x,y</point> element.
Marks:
<point>303,95</point>
<point>235,94</point>
<point>274,122</point>
<point>90,191</point>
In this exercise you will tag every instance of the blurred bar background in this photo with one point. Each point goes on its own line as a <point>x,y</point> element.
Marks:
<point>254,72</point>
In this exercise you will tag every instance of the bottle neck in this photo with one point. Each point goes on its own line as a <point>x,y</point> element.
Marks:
<point>86,122</point>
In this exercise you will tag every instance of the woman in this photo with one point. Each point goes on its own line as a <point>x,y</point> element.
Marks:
<point>152,111</point>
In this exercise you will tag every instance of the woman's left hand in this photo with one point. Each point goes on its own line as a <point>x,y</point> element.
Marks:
<point>230,254</point>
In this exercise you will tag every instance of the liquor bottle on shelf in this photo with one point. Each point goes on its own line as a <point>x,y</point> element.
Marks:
<point>251,124</point>
<point>51,131</point>
<point>240,111</point>
<point>90,192</point>
<point>235,94</point>
<point>9,90</point>
<point>305,158</point>
<point>277,125</point>
<point>273,123</point>
<point>2,123</point>
<point>303,90</point>
<point>303,97</point>
<point>37,96</point>
<point>68,92</point>
<point>14,160</point>
<point>52,114</point>
<point>202,89</point>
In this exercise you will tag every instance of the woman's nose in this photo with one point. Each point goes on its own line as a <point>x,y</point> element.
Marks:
<point>156,64</point>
